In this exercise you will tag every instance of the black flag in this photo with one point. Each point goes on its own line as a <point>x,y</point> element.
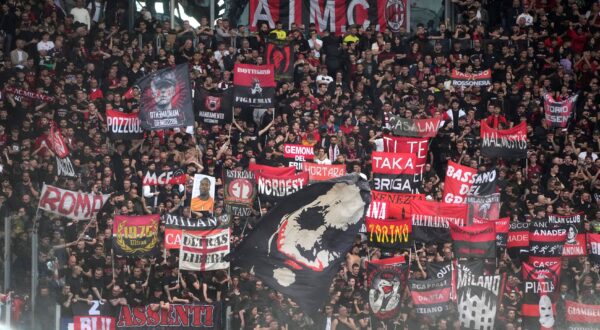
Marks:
<point>299,245</point>
<point>214,105</point>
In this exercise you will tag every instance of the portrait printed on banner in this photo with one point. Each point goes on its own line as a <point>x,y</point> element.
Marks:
<point>203,193</point>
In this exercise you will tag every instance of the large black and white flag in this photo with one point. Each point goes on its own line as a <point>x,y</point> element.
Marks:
<point>478,298</point>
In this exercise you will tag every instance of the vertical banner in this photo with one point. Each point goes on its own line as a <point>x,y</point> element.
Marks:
<point>458,182</point>
<point>203,193</point>
<point>204,250</point>
<point>484,207</point>
<point>546,241</point>
<point>298,154</point>
<point>509,143</point>
<point>166,99</point>
<point>394,172</point>
<point>386,279</point>
<point>540,292</point>
<point>282,56</point>
<point>56,142</point>
<point>575,244</point>
<point>254,86</point>
<point>518,239</point>
<point>430,220</point>
<point>136,235</point>
<point>240,192</point>
<point>214,106</point>
<point>478,298</point>
<point>558,112</point>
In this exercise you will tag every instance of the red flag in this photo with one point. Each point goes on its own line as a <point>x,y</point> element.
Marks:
<point>56,142</point>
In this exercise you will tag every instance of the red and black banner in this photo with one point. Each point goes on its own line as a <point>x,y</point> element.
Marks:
<point>175,224</point>
<point>274,187</point>
<point>431,297</point>
<point>387,205</point>
<point>416,146</point>
<point>331,15</point>
<point>163,178</point>
<point>518,239</point>
<point>478,298</point>
<point>474,241</point>
<point>558,113</point>
<point>56,142</point>
<point>253,86</point>
<point>594,252</point>
<point>20,93</point>
<point>281,55</point>
<point>166,99</point>
<point>582,316</point>
<point>457,183</point>
<point>297,154</point>
<point>546,241</point>
<point>323,172</point>
<point>430,220</point>
<point>389,234</point>
<point>575,244</point>
<point>240,192</point>
<point>484,207</point>
<point>484,183</point>
<point>424,128</point>
<point>197,315</point>
<point>508,143</point>
<point>393,172</point>
<point>297,248</point>
<point>257,168</point>
<point>214,105</point>
<point>136,235</point>
<point>123,126</point>
<point>386,279</point>
<point>501,225</point>
<point>483,78</point>
<point>540,293</point>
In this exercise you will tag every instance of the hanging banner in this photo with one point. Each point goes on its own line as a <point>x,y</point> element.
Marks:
<point>509,143</point>
<point>257,168</point>
<point>457,183</point>
<point>123,126</point>
<point>322,172</point>
<point>203,193</point>
<point>74,205</point>
<point>558,112</point>
<point>65,168</point>
<point>387,205</point>
<point>253,86</point>
<point>430,297</point>
<point>478,297</point>
<point>297,247</point>
<point>484,183</point>
<point>136,235</point>
<point>175,224</point>
<point>501,226</point>
<point>197,315</point>
<point>386,280</point>
<point>518,239</point>
<point>240,192</point>
<point>331,15</point>
<point>393,172</point>
<point>546,241</point>
<point>575,244</point>
<point>582,316</point>
<point>204,250</point>
<point>166,99</point>
<point>282,56</point>
<point>484,207</point>
<point>389,234</point>
<point>56,142</point>
<point>474,241</point>
<point>163,178</point>
<point>423,128</point>
<point>214,106</point>
<point>483,78</point>
<point>540,293</point>
<point>430,220</point>
<point>594,241</point>
<point>273,188</point>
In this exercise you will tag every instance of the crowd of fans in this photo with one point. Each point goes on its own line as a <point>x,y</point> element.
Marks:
<point>343,91</point>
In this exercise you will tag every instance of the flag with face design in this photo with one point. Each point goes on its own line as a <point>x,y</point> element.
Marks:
<point>299,245</point>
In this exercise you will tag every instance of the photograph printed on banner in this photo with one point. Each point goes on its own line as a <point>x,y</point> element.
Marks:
<point>203,193</point>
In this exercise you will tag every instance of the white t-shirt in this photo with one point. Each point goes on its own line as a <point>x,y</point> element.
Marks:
<point>45,45</point>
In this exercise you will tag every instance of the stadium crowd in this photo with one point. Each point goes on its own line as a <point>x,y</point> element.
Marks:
<point>343,91</point>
